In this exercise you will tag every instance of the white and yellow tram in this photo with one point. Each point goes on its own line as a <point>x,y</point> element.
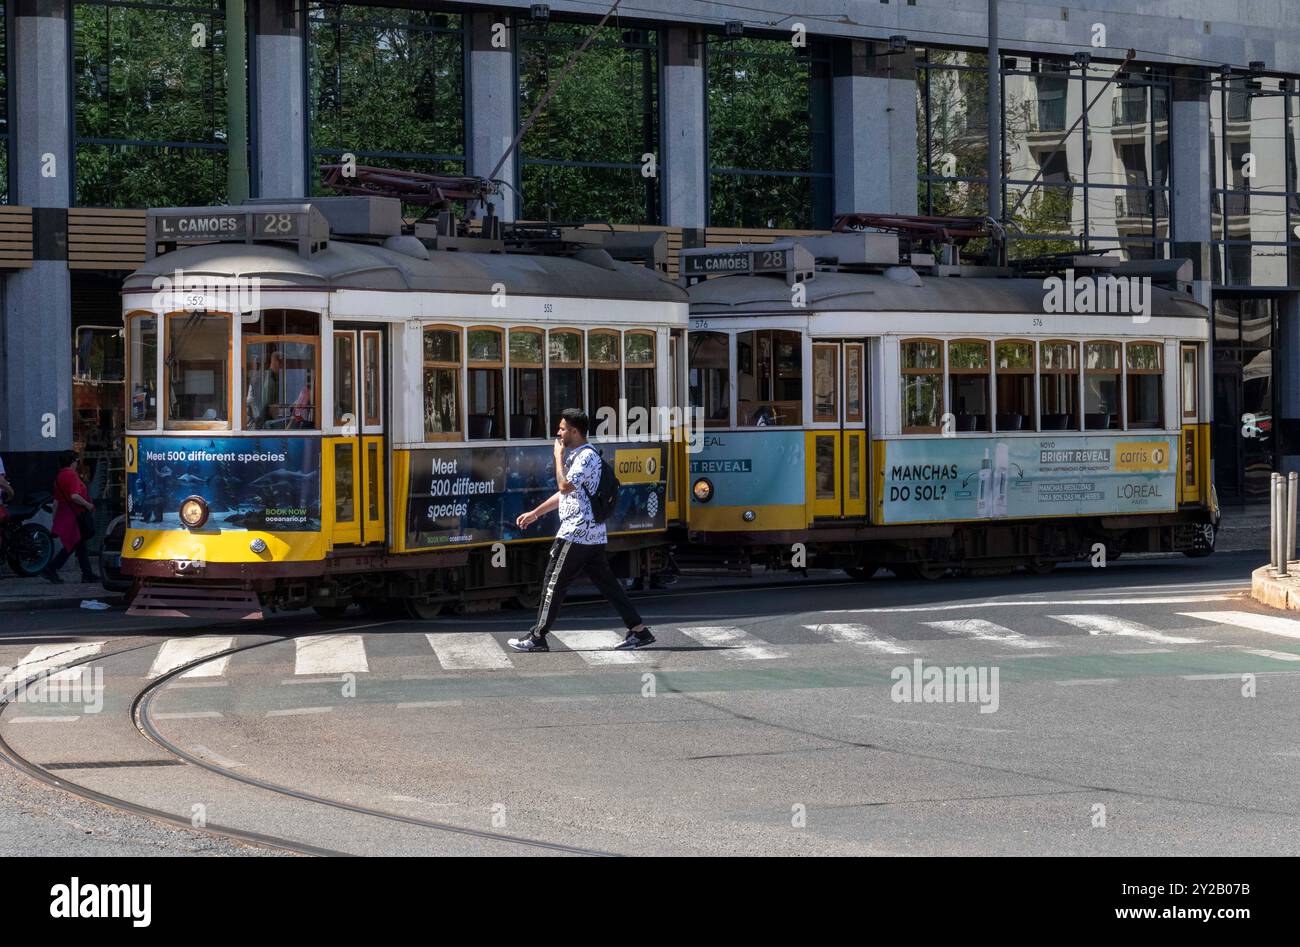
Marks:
<point>324,410</point>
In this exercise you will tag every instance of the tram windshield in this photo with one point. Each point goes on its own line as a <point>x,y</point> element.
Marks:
<point>280,370</point>
<point>198,369</point>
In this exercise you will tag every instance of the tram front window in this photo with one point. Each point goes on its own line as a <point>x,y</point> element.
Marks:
<point>142,370</point>
<point>769,378</point>
<point>198,370</point>
<point>280,370</point>
<point>709,389</point>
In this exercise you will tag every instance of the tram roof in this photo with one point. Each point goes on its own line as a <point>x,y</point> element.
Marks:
<point>875,292</point>
<point>346,265</point>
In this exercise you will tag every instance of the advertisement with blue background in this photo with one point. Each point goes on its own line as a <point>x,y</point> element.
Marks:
<point>474,495</point>
<point>943,480</point>
<point>261,483</point>
<point>753,468</point>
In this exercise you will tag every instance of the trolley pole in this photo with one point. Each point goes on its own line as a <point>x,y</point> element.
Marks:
<point>236,105</point>
<point>995,128</point>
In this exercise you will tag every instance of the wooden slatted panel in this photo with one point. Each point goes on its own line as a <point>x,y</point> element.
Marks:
<point>15,237</point>
<point>674,238</point>
<point>104,238</point>
<point>729,236</point>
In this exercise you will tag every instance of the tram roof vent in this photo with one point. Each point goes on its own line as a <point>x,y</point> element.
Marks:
<point>784,258</point>
<point>299,223</point>
<point>358,216</point>
<point>855,249</point>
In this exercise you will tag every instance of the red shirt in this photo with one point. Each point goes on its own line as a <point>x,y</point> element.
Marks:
<point>67,485</point>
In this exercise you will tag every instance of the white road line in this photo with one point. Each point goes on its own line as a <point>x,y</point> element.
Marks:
<point>1092,680</point>
<point>1144,651</point>
<point>736,643</point>
<point>1037,603</point>
<point>982,630</point>
<point>863,635</point>
<point>424,704</point>
<point>192,715</point>
<point>1210,677</point>
<point>329,654</point>
<point>1110,625</point>
<point>468,651</point>
<point>595,646</point>
<point>1275,655</point>
<point>1269,624</point>
<point>44,719</point>
<point>177,652</point>
<point>297,711</point>
<point>45,657</point>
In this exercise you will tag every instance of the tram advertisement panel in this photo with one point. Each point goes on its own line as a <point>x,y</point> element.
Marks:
<point>474,495</point>
<point>942,480</point>
<point>262,483</point>
<point>753,468</point>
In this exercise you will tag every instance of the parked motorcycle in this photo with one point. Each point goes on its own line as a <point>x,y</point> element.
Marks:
<point>26,547</point>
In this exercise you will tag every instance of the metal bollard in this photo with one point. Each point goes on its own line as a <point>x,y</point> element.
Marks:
<point>1291,487</point>
<point>1279,524</point>
<point>1273,506</point>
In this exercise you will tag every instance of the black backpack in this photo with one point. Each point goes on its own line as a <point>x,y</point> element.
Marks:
<point>605,498</point>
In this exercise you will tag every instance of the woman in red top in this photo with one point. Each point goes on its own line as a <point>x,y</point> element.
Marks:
<point>73,524</point>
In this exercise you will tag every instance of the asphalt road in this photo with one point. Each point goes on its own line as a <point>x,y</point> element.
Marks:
<point>1146,708</point>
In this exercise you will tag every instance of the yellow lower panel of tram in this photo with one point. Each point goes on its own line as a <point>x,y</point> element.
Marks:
<point>230,546</point>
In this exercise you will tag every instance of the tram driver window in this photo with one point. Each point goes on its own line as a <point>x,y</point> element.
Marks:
<point>142,371</point>
<point>527,360</point>
<point>921,366</point>
<point>639,370</point>
<point>442,384</point>
<point>1059,386</point>
<point>280,370</point>
<point>710,369</point>
<point>486,395</point>
<point>564,363</point>
<point>1145,385</point>
<point>198,370</point>
<point>968,381</point>
<point>1101,389</point>
<point>602,376</point>
<point>769,378</point>
<point>1013,361</point>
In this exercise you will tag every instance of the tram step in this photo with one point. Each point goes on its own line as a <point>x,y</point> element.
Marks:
<point>214,602</point>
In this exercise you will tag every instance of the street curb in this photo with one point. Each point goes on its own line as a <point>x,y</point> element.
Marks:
<point>43,604</point>
<point>1276,591</point>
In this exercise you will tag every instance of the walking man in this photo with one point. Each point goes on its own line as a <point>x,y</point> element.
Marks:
<point>579,545</point>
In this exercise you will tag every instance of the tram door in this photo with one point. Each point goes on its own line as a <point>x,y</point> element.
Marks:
<point>354,462</point>
<point>839,455</point>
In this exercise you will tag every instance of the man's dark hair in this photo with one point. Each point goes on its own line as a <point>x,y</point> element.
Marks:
<point>577,418</point>
<point>66,457</point>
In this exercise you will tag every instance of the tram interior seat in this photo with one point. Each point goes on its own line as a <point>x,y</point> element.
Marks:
<point>521,425</point>
<point>1011,422</point>
<point>1097,421</point>
<point>972,422</point>
<point>480,426</point>
<point>1058,422</point>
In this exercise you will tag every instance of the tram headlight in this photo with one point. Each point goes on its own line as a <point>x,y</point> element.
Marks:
<point>194,512</point>
<point>703,490</point>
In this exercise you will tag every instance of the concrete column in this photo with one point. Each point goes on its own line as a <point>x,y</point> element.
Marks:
<point>873,128</point>
<point>1286,375</point>
<point>493,103</point>
<point>684,159</point>
<point>1190,174</point>
<point>36,413</point>
<point>280,99</point>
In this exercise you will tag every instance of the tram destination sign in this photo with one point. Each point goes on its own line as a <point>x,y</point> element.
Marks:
<point>280,222</point>
<point>786,259</point>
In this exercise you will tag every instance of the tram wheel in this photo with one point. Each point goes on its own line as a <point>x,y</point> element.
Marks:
<point>1041,567</point>
<point>928,571</point>
<point>330,611</point>
<point>1203,544</point>
<point>422,610</point>
<point>862,573</point>
<point>528,599</point>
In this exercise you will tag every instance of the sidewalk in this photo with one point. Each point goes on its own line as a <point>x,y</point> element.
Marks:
<point>18,594</point>
<point>1243,529</point>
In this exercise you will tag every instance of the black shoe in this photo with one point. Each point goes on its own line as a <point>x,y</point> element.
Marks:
<point>635,639</point>
<point>529,643</point>
<point>52,577</point>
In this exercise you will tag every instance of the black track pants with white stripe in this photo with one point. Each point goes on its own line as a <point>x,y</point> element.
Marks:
<point>568,561</point>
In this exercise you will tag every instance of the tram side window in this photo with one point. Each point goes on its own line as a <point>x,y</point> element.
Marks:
<point>769,378</point>
<point>280,370</point>
<point>968,382</point>
<point>564,362</point>
<point>921,366</point>
<point>198,369</point>
<point>486,392</point>
<point>1013,361</point>
<point>527,361</point>
<point>1101,389</point>
<point>1145,400</point>
<point>639,370</point>
<point>1059,385</point>
<point>710,386</point>
<point>442,384</point>
<point>602,375</point>
<point>142,371</point>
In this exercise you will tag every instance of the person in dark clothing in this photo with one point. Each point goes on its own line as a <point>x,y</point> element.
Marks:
<point>74,524</point>
<point>579,546</point>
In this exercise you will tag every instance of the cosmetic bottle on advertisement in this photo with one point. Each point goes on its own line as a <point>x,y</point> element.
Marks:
<point>1001,473</point>
<point>986,478</point>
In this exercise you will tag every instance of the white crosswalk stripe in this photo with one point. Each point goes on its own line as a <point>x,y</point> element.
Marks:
<point>177,652</point>
<point>862,635</point>
<point>329,654</point>
<point>468,651</point>
<point>44,657</point>
<point>1270,624</point>
<point>595,646</point>
<point>1110,625</point>
<point>982,630</point>
<point>736,643</point>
